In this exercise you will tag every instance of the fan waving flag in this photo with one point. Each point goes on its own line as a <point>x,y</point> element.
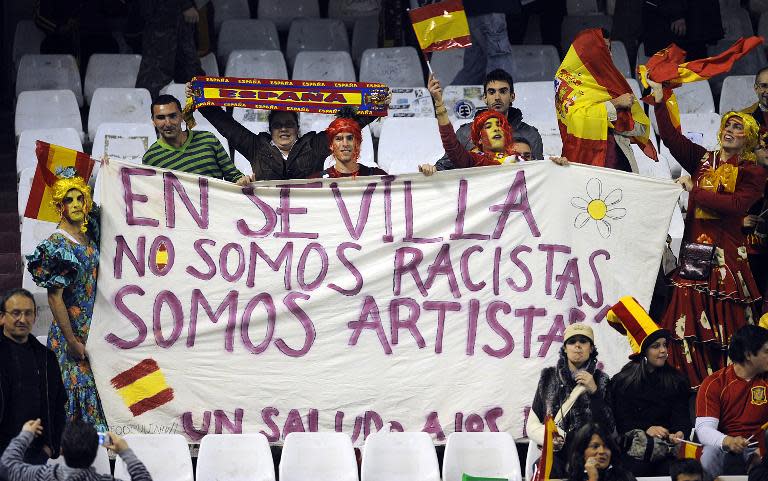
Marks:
<point>585,80</point>
<point>49,158</point>
<point>544,468</point>
<point>689,450</point>
<point>441,26</point>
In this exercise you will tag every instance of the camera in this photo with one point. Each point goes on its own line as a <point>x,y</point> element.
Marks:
<point>103,439</point>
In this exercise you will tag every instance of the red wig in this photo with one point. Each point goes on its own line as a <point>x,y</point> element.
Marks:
<point>478,130</point>
<point>345,124</point>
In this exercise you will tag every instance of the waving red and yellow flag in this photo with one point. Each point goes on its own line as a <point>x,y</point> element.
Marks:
<point>544,468</point>
<point>441,26</point>
<point>585,80</point>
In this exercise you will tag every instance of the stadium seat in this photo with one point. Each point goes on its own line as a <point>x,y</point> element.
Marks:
<point>228,10</point>
<point>582,7</point>
<point>747,65</point>
<point>42,339</point>
<point>350,10</point>
<point>235,457</point>
<point>47,109</point>
<point>553,144</point>
<point>365,35</point>
<point>210,66</point>
<point>533,455</point>
<point>256,64</point>
<point>620,58</point>
<point>25,152</point>
<point>400,154</point>
<point>313,122</point>
<point>33,232</point>
<point>122,141</point>
<point>49,72</point>
<point>693,97</point>
<point>492,455</point>
<point>246,34</point>
<point>110,70</point>
<point>647,166</point>
<point>256,118</point>
<point>738,93</point>
<point>532,63</point>
<point>399,456</point>
<point>166,456</point>
<point>463,102</point>
<point>701,129</point>
<point>327,66</point>
<point>537,100</point>
<point>396,67</point>
<point>406,102</point>
<point>319,457</point>
<point>315,34</point>
<point>26,40</point>
<point>282,12</point>
<point>573,24</point>
<point>118,105</point>
<point>101,463</point>
<point>447,63</point>
<point>736,23</point>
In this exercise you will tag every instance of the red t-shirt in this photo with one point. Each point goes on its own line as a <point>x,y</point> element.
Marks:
<point>740,405</point>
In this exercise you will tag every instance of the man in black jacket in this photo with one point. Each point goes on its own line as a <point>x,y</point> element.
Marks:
<point>30,380</point>
<point>689,24</point>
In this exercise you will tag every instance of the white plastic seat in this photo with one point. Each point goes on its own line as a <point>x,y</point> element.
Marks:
<point>396,67</point>
<point>246,34</point>
<point>536,100</point>
<point>399,457</point>
<point>573,24</point>
<point>177,90</point>
<point>235,457</point>
<point>26,40</point>
<point>210,65</point>
<point>33,232</point>
<point>693,97</point>
<point>365,35</point>
<point>42,339</point>
<point>228,10</point>
<point>101,463</point>
<point>282,12</point>
<point>481,454</point>
<point>110,70</point>
<point>736,23</point>
<point>582,7</point>
<point>350,10</point>
<point>49,72</point>
<point>327,66</point>
<point>533,63</point>
<point>25,151</point>
<point>463,102</point>
<point>553,145</point>
<point>166,456</point>
<point>406,102</point>
<point>256,64</point>
<point>620,58</point>
<point>47,109</point>
<point>123,141</point>
<point>315,34</point>
<point>447,63</point>
<point>399,153</point>
<point>319,457</point>
<point>701,129</point>
<point>533,454</point>
<point>747,65</point>
<point>125,105</point>
<point>738,93</point>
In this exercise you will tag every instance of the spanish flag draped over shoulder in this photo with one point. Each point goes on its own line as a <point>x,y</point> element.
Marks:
<point>49,158</point>
<point>544,468</point>
<point>585,80</point>
<point>441,26</point>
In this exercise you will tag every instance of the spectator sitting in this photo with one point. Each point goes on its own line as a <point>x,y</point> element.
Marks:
<point>732,404</point>
<point>686,470</point>
<point>499,95</point>
<point>522,149</point>
<point>575,392</point>
<point>194,151</point>
<point>344,140</point>
<point>649,397</point>
<point>78,446</point>
<point>594,456</point>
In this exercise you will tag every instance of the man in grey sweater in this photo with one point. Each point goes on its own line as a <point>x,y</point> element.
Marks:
<point>79,443</point>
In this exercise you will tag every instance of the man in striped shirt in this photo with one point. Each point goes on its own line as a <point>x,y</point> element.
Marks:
<point>194,151</point>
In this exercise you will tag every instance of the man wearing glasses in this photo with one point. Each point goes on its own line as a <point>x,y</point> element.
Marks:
<point>30,380</point>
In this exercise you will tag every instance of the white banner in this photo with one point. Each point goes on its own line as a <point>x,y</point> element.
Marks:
<point>404,302</point>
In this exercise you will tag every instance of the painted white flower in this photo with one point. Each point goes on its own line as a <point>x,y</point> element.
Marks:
<point>598,208</point>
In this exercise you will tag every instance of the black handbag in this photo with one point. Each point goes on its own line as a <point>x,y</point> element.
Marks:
<point>696,261</point>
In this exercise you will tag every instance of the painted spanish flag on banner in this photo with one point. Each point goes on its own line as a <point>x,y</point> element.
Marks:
<point>143,387</point>
<point>49,158</point>
<point>544,468</point>
<point>688,450</point>
<point>441,26</point>
<point>585,80</point>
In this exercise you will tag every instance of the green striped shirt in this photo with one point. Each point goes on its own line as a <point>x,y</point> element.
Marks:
<point>201,154</point>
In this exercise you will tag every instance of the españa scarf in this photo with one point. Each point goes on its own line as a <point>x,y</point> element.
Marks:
<point>294,95</point>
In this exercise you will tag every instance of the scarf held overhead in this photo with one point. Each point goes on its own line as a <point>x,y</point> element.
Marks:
<point>317,97</point>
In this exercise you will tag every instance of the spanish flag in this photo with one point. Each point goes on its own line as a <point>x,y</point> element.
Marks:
<point>49,158</point>
<point>441,26</point>
<point>585,80</point>
<point>143,387</point>
<point>688,450</point>
<point>544,468</point>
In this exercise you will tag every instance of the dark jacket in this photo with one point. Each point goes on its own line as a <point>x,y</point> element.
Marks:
<point>613,473</point>
<point>52,394</point>
<point>703,23</point>
<point>482,7</point>
<point>519,129</point>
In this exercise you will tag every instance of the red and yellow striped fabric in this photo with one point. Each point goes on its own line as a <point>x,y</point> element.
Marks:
<point>143,387</point>
<point>49,158</point>
<point>585,80</point>
<point>689,451</point>
<point>441,26</point>
<point>544,468</point>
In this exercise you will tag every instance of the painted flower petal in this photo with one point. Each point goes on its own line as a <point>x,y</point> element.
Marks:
<point>616,213</point>
<point>594,189</point>
<point>579,202</point>
<point>581,220</point>
<point>604,228</point>
<point>614,197</point>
